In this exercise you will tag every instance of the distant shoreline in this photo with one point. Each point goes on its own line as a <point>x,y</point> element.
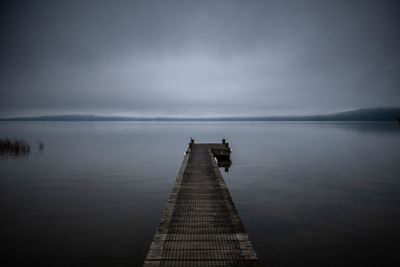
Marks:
<point>368,114</point>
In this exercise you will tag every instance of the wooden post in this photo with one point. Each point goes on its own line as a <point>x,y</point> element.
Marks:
<point>223,141</point>
<point>191,142</point>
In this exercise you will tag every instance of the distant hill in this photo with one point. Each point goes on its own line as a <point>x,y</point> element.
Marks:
<point>365,114</point>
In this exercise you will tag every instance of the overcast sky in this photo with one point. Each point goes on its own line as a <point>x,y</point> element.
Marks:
<point>198,58</point>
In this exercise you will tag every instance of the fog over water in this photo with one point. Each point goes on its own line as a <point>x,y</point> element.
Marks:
<point>309,194</point>
<point>197,58</point>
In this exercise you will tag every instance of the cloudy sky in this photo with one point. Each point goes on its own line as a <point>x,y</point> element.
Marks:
<point>198,58</point>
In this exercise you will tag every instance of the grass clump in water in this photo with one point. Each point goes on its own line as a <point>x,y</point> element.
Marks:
<point>14,147</point>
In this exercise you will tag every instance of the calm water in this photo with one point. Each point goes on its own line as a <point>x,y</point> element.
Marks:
<point>309,194</point>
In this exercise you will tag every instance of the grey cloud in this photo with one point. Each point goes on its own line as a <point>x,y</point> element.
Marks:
<point>189,58</point>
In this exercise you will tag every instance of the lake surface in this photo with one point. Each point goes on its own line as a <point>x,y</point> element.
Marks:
<point>309,194</point>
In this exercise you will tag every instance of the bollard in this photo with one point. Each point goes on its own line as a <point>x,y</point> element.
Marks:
<point>191,142</point>
<point>223,141</point>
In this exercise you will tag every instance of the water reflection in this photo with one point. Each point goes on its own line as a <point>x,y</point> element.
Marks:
<point>223,157</point>
<point>387,128</point>
<point>309,194</point>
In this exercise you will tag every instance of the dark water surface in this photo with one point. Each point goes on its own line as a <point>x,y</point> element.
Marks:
<point>309,194</point>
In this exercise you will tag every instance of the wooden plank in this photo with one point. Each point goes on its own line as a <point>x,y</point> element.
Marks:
<point>200,225</point>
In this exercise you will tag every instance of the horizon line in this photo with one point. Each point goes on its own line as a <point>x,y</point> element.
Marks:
<point>369,114</point>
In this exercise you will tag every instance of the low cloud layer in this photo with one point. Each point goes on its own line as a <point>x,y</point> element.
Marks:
<point>198,58</point>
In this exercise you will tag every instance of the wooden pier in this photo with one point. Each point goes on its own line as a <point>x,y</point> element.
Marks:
<point>200,225</point>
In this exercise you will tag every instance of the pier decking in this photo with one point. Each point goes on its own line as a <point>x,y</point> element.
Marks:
<point>200,225</point>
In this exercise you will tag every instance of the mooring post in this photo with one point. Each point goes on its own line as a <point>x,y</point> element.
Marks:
<point>191,142</point>
<point>223,141</point>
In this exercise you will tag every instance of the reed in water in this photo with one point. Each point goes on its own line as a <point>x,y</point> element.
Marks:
<point>16,147</point>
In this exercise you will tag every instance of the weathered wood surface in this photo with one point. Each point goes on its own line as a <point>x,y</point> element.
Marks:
<point>200,225</point>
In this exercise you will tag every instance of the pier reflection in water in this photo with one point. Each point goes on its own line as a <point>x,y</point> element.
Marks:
<point>223,155</point>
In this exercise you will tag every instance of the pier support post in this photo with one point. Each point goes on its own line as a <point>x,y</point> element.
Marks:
<point>191,143</point>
